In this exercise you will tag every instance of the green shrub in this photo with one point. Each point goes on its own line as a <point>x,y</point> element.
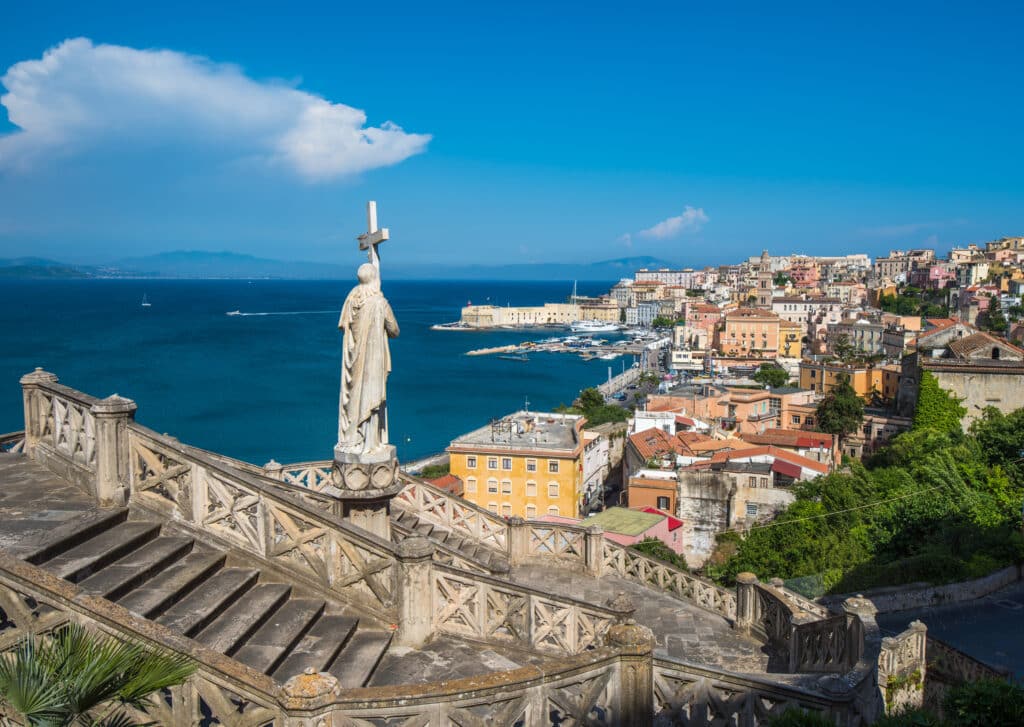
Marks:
<point>985,703</point>
<point>798,718</point>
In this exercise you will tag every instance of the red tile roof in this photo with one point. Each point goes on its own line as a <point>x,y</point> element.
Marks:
<point>449,483</point>
<point>783,454</point>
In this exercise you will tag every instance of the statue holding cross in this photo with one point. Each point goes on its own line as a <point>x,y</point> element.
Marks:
<point>367,322</point>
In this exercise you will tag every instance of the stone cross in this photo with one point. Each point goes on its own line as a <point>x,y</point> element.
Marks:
<point>373,237</point>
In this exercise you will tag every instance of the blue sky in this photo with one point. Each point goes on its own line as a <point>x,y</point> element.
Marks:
<point>529,132</point>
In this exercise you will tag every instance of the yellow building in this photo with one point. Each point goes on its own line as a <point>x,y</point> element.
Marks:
<point>790,337</point>
<point>527,464</point>
<point>865,380</point>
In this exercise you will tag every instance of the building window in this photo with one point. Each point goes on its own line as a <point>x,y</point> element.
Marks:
<point>471,462</point>
<point>493,507</point>
<point>492,485</point>
<point>764,482</point>
<point>751,481</point>
<point>553,466</point>
<point>506,463</point>
<point>492,463</point>
<point>471,485</point>
<point>553,510</point>
<point>506,487</point>
<point>795,418</point>
<point>531,488</point>
<point>663,503</point>
<point>531,512</point>
<point>531,465</point>
<point>751,509</point>
<point>552,489</point>
<point>506,510</point>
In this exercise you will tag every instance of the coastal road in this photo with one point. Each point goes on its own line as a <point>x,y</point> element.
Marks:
<point>990,629</point>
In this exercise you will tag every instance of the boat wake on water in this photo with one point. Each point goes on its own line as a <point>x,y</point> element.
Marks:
<point>279,313</point>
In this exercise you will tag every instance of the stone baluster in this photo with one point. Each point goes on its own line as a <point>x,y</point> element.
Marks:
<point>34,414</point>
<point>113,459</point>
<point>635,645</point>
<point>595,551</point>
<point>518,540</point>
<point>746,602</point>
<point>415,602</point>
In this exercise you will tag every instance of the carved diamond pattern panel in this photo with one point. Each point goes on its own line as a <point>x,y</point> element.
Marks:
<point>74,431</point>
<point>553,627</point>
<point>215,705</point>
<point>590,630</point>
<point>21,614</point>
<point>157,474</point>
<point>688,700</point>
<point>303,544</point>
<point>493,714</point>
<point>456,605</point>
<point>506,616</point>
<point>313,478</point>
<point>361,572</point>
<point>586,702</point>
<point>556,541</point>
<point>229,511</point>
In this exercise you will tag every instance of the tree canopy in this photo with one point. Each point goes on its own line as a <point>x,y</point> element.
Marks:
<point>936,505</point>
<point>842,410</point>
<point>772,376</point>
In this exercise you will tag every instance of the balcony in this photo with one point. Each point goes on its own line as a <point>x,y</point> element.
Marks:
<point>760,416</point>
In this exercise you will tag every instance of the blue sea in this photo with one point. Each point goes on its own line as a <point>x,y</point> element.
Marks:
<point>265,385</point>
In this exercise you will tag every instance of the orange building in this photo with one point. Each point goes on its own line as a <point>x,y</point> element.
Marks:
<point>748,331</point>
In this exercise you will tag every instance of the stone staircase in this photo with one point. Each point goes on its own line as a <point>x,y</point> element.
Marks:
<point>406,522</point>
<point>188,586</point>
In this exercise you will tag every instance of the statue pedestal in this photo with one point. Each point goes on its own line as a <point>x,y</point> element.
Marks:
<point>366,482</point>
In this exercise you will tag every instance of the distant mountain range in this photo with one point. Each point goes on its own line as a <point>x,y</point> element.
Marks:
<point>198,264</point>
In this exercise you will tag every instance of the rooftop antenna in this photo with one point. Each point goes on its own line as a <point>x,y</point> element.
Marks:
<point>526,405</point>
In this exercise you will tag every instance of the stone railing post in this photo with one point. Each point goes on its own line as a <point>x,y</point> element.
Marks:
<point>34,415</point>
<point>274,470</point>
<point>595,551</point>
<point>518,540</point>
<point>859,612</point>
<point>415,602</point>
<point>113,460</point>
<point>746,602</point>
<point>635,645</point>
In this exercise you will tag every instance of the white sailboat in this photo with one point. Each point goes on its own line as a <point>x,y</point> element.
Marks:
<point>145,301</point>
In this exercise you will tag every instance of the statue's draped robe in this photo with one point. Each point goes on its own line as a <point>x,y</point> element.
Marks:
<point>367,321</point>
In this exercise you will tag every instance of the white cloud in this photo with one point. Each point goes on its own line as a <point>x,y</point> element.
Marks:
<point>80,95</point>
<point>626,239</point>
<point>691,220</point>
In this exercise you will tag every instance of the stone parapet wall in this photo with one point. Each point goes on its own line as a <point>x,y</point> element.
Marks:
<point>913,596</point>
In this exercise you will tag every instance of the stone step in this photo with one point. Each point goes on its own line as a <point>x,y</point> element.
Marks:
<point>266,648</point>
<point>137,567</point>
<point>358,660</point>
<point>168,587</point>
<point>206,602</point>
<point>67,535</point>
<point>81,561</point>
<point>239,620</point>
<point>318,648</point>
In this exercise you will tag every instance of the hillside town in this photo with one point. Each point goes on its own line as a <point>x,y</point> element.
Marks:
<point>725,418</point>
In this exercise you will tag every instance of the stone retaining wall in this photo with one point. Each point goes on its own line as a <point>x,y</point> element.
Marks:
<point>910,597</point>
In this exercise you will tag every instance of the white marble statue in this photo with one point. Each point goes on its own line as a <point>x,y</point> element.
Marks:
<point>367,323</point>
